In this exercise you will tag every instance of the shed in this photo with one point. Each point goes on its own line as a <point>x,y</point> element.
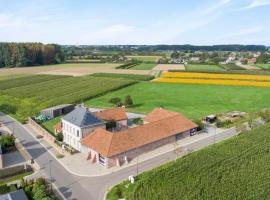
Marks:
<point>57,110</point>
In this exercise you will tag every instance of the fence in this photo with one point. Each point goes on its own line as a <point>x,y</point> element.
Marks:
<point>12,171</point>
<point>46,136</point>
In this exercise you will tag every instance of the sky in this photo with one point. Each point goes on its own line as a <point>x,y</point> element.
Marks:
<point>150,22</point>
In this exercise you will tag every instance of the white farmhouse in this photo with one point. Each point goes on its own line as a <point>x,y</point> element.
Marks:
<point>78,124</point>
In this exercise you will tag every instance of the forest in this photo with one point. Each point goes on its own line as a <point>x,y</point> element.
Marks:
<point>29,54</point>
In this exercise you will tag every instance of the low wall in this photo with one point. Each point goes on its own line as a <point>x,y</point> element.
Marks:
<point>46,136</point>
<point>12,171</point>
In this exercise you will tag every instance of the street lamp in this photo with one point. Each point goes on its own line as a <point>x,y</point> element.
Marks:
<point>137,164</point>
<point>50,161</point>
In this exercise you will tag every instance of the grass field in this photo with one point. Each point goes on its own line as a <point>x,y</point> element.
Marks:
<point>262,66</point>
<point>230,67</point>
<point>144,66</point>
<point>146,58</point>
<point>23,98</point>
<point>49,125</point>
<point>203,68</point>
<point>192,100</point>
<point>237,168</point>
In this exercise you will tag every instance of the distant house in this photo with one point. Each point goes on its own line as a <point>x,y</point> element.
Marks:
<point>16,195</point>
<point>116,148</point>
<point>251,60</point>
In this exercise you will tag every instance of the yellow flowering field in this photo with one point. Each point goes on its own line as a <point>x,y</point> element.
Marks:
<point>214,82</point>
<point>216,76</point>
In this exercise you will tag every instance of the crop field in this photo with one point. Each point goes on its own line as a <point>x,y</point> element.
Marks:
<point>26,80</point>
<point>60,69</point>
<point>126,76</point>
<point>146,58</point>
<point>203,68</point>
<point>237,168</point>
<point>194,101</point>
<point>215,79</point>
<point>144,66</point>
<point>27,99</point>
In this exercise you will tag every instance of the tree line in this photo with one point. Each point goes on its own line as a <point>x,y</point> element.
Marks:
<point>29,54</point>
<point>127,49</point>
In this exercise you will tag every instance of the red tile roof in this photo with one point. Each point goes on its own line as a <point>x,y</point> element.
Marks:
<point>115,114</point>
<point>58,127</point>
<point>110,144</point>
<point>158,114</point>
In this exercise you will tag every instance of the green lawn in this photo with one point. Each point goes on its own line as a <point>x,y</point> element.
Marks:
<point>231,67</point>
<point>49,125</point>
<point>192,100</point>
<point>263,66</point>
<point>203,68</point>
<point>237,169</point>
<point>14,178</point>
<point>144,66</point>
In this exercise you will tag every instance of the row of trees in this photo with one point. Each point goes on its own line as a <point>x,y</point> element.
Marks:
<point>29,54</point>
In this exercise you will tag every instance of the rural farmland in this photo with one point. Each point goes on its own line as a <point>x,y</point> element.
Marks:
<point>194,101</point>
<point>21,98</point>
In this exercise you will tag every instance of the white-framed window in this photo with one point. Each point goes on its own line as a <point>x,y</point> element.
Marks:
<point>78,133</point>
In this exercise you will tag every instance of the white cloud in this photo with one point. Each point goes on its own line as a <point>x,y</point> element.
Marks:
<point>257,3</point>
<point>219,4</point>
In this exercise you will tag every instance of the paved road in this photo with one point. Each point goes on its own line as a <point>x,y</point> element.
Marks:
<point>85,188</point>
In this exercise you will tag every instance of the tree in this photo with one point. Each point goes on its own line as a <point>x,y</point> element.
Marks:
<point>115,100</point>
<point>263,58</point>
<point>128,101</point>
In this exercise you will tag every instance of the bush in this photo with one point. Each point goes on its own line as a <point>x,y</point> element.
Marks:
<point>59,137</point>
<point>39,136</point>
<point>7,141</point>
<point>115,100</point>
<point>58,155</point>
<point>120,104</point>
<point>4,189</point>
<point>224,123</point>
<point>138,121</point>
<point>128,101</point>
<point>265,115</point>
<point>37,190</point>
<point>200,124</point>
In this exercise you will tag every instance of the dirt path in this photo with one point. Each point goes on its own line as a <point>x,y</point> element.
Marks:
<point>247,67</point>
<point>71,70</point>
<point>166,67</point>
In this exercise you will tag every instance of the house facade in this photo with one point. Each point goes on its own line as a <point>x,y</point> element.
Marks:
<point>160,127</point>
<point>81,122</point>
